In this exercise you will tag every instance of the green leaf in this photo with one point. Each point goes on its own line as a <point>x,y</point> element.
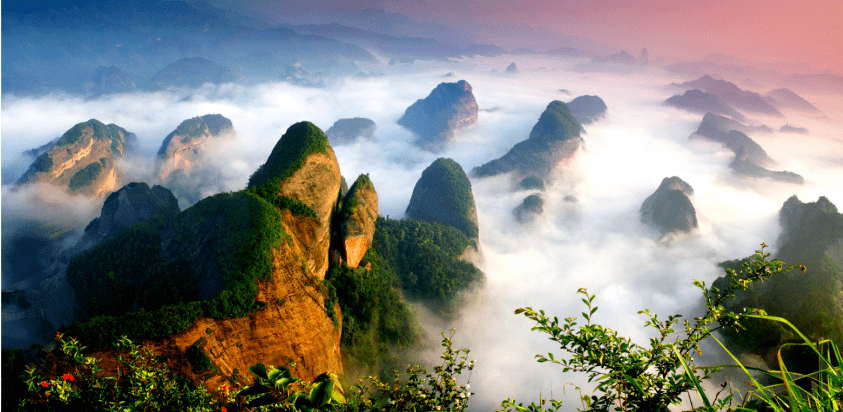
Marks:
<point>258,370</point>
<point>321,393</point>
<point>254,390</point>
<point>273,374</point>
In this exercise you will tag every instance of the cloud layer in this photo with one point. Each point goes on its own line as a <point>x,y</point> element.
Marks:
<point>596,242</point>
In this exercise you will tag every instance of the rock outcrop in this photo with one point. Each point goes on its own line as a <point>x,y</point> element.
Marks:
<point>443,195</point>
<point>132,204</point>
<point>450,107</point>
<point>357,220</point>
<point>732,134</point>
<point>698,101</point>
<point>186,146</point>
<point>587,109</point>
<point>529,209</point>
<point>750,159</point>
<point>237,275</point>
<point>552,143</point>
<point>302,166</point>
<point>530,183</point>
<point>350,130</point>
<point>109,80</point>
<point>82,161</point>
<point>743,166</point>
<point>192,72</point>
<point>669,209</point>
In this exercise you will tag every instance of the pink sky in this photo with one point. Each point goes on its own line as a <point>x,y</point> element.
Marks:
<point>806,31</point>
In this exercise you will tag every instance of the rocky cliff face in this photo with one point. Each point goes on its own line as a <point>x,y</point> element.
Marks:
<point>83,159</point>
<point>237,276</point>
<point>552,143</point>
<point>443,195</point>
<point>587,109</point>
<point>295,325</point>
<point>435,119</point>
<point>669,209</point>
<point>357,220</point>
<point>185,146</point>
<point>132,204</point>
<point>350,130</point>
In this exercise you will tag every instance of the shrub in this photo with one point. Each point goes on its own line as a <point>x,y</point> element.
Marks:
<point>633,377</point>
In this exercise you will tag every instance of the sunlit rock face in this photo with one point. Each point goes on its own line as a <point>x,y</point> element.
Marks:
<point>82,161</point>
<point>443,195</point>
<point>186,146</point>
<point>552,144</point>
<point>357,219</point>
<point>669,209</point>
<point>247,266</point>
<point>450,107</point>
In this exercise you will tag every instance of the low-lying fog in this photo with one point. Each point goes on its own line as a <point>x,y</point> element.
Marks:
<point>596,242</point>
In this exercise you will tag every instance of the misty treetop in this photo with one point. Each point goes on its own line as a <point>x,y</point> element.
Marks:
<point>443,194</point>
<point>425,257</point>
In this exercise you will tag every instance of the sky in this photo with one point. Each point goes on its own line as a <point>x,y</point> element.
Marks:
<point>781,31</point>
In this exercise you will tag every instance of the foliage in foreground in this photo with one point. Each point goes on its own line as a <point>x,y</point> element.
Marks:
<point>634,377</point>
<point>144,383</point>
<point>628,376</point>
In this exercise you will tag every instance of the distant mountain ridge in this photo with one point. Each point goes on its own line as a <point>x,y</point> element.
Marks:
<point>740,99</point>
<point>553,141</point>
<point>143,37</point>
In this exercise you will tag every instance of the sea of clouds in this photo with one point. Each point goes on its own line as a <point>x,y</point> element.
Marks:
<point>595,243</point>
